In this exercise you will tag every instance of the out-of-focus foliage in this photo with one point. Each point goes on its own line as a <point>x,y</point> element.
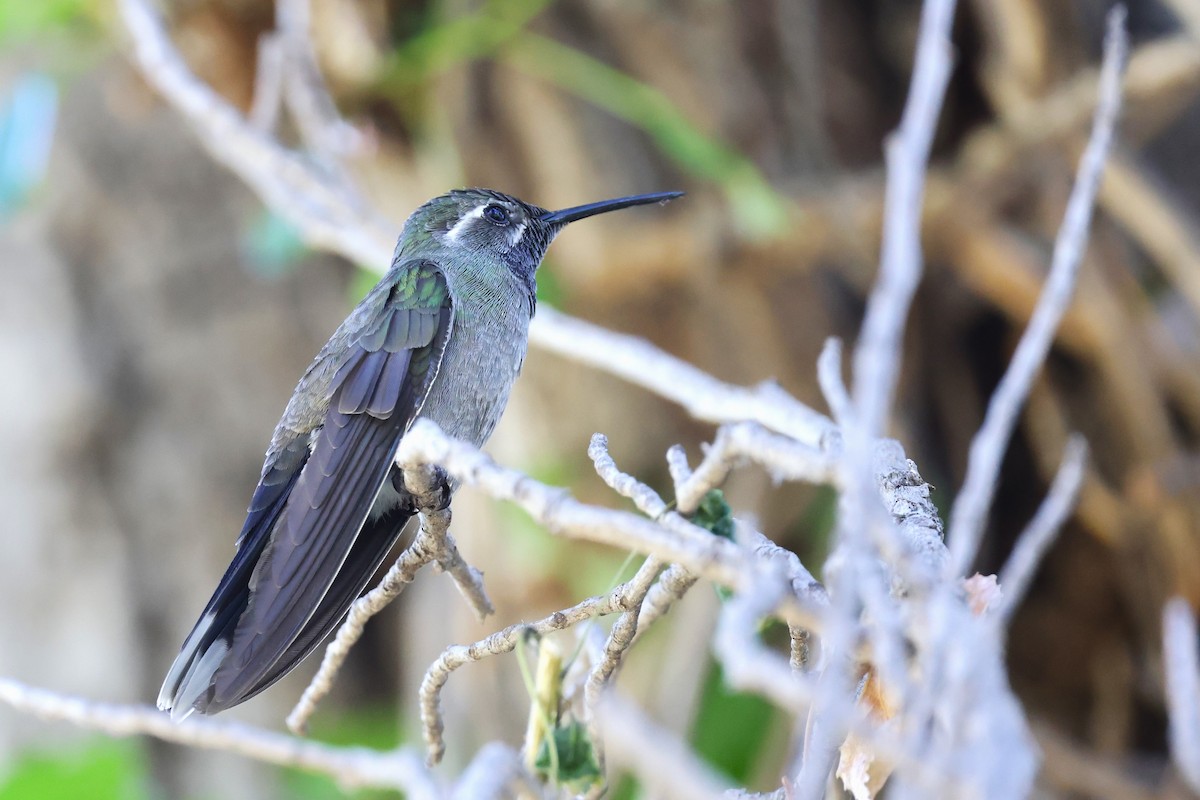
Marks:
<point>103,769</point>
<point>20,20</point>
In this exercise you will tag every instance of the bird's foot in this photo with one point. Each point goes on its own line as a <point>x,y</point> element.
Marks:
<point>435,498</point>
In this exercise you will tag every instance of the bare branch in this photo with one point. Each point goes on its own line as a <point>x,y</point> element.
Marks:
<point>324,131</point>
<point>268,83</point>
<point>748,663</point>
<point>352,766</point>
<point>646,499</point>
<point>661,761</point>
<point>1182,666</point>
<point>704,397</point>
<point>1042,529</point>
<point>623,631</point>
<point>784,459</point>
<point>877,357</point>
<point>492,773</point>
<point>326,212</point>
<point>670,586</point>
<point>673,539</point>
<point>968,515</point>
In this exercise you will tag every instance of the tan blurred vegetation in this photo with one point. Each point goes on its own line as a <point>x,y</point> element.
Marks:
<point>146,357</point>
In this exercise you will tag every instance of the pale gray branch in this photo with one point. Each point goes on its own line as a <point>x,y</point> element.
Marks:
<point>738,443</point>
<point>1182,665</point>
<point>326,212</point>
<point>672,539</point>
<point>969,513</point>
<point>662,762</point>
<point>352,766</point>
<point>704,397</point>
<point>494,772</point>
<point>877,357</point>
<point>1041,531</point>
<point>748,663</point>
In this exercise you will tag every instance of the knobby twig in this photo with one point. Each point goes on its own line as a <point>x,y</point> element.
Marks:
<point>498,643</point>
<point>967,516</point>
<point>703,554</point>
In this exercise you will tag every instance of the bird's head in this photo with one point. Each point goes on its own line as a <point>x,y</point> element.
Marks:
<point>483,222</point>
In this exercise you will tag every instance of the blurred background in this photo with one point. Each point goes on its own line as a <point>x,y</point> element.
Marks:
<point>154,318</point>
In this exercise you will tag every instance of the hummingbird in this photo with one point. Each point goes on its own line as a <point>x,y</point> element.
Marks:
<point>442,336</point>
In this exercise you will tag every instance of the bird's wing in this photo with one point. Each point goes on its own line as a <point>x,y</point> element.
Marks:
<point>309,507</point>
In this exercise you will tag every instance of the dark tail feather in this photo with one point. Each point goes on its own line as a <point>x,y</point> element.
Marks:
<point>189,685</point>
<point>370,549</point>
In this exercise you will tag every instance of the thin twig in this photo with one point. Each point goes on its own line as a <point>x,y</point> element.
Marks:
<point>324,131</point>
<point>783,458</point>
<point>704,397</point>
<point>1041,531</point>
<point>968,515</point>
<point>492,773</point>
<point>498,643</point>
<point>748,663</point>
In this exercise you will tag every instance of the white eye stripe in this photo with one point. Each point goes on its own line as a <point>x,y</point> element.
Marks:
<point>515,233</point>
<point>460,226</point>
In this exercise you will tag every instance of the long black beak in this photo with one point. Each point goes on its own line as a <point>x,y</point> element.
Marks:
<point>579,212</point>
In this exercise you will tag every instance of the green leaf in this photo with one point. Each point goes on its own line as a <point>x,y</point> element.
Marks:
<point>715,515</point>
<point>578,768</point>
<point>731,728</point>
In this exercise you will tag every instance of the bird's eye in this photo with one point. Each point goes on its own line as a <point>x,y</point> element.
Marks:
<point>495,215</point>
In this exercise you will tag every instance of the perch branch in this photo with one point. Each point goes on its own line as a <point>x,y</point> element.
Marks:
<point>672,539</point>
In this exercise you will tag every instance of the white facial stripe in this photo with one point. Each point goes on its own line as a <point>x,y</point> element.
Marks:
<point>460,226</point>
<point>515,233</point>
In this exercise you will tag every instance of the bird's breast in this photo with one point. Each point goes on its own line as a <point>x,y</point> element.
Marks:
<point>481,362</point>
